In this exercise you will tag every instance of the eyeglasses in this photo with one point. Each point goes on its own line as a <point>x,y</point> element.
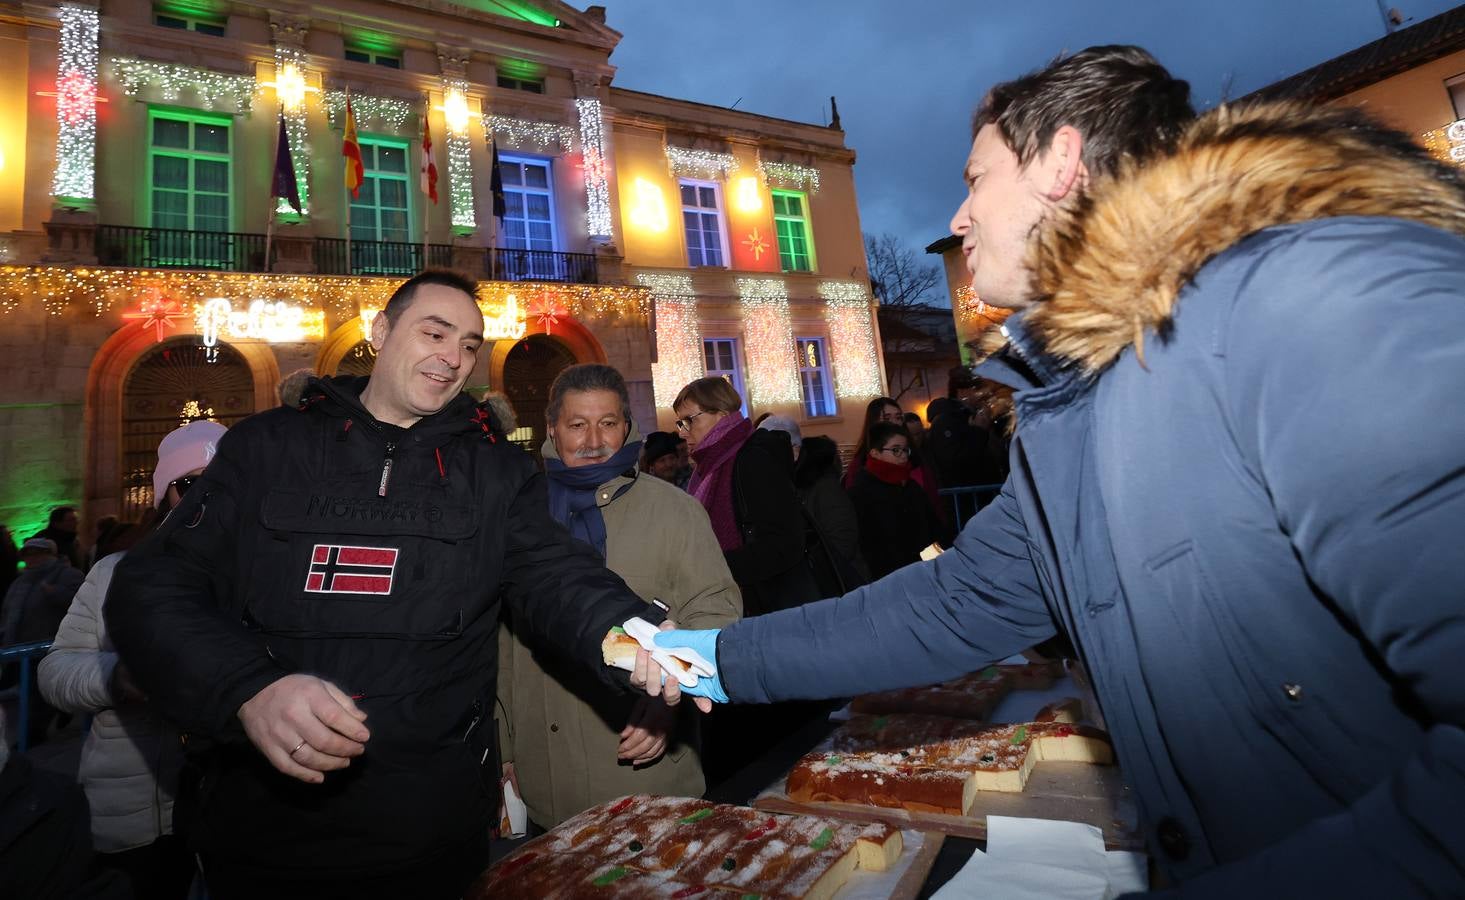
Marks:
<point>896,451</point>
<point>686,424</point>
<point>183,484</point>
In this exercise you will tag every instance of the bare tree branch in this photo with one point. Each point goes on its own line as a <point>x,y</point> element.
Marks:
<point>898,275</point>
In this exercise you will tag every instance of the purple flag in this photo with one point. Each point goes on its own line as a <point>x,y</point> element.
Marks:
<point>284,184</point>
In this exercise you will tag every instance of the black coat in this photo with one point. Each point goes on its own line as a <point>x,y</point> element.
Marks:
<point>770,568</point>
<point>896,522</point>
<point>250,579</point>
<point>963,453</point>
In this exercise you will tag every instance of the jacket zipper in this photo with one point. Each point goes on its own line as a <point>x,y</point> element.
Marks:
<point>381,490</point>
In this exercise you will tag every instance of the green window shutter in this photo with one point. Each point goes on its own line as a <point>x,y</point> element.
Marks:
<point>190,187</point>
<point>792,226</point>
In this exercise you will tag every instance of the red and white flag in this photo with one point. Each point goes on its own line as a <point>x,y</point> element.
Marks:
<point>336,569</point>
<point>429,168</point>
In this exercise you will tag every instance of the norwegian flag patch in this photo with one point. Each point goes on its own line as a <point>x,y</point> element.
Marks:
<point>335,569</point>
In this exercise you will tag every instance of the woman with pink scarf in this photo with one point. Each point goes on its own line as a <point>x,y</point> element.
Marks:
<point>744,479</point>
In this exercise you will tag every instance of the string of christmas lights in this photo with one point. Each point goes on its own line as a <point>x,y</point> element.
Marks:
<point>973,315</point>
<point>707,165</point>
<point>76,105</point>
<point>1447,144</point>
<point>528,134</point>
<point>852,338</point>
<point>290,67</point>
<point>678,335</point>
<point>789,175</point>
<point>597,190</point>
<point>460,154</point>
<point>392,112</point>
<point>171,79</point>
<point>768,336</point>
<point>104,291</point>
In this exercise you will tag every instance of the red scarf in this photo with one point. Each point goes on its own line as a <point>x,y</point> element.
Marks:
<point>888,472</point>
<point>712,483</point>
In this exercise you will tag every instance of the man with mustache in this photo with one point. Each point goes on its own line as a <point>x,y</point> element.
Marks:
<point>320,615</point>
<point>570,742</point>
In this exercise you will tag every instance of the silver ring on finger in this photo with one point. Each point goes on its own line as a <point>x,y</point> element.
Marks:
<point>297,747</point>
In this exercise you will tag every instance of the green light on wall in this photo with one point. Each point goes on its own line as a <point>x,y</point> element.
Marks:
<point>193,9</point>
<point>513,9</point>
<point>521,69</point>
<point>370,41</point>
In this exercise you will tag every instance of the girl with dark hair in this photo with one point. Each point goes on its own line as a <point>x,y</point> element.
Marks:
<point>884,409</point>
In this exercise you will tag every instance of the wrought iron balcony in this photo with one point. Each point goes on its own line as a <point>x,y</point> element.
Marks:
<point>501,264</point>
<point>170,248</point>
<point>378,257</point>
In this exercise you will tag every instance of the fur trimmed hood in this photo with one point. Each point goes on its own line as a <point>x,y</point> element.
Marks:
<point>1112,267</point>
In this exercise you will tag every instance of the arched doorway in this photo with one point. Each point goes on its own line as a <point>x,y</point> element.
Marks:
<point>174,383</point>
<point>358,360</point>
<point>529,369</point>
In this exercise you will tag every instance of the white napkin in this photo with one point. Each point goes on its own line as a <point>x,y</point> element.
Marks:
<point>644,634</point>
<point>517,813</point>
<point>1031,859</point>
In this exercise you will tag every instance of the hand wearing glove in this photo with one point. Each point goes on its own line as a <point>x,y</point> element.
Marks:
<point>705,643</point>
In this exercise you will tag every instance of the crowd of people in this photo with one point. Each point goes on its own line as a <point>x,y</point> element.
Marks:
<point>382,627</point>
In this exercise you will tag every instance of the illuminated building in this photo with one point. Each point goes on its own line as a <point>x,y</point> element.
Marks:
<point>147,275</point>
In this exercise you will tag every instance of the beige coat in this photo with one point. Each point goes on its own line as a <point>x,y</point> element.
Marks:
<point>130,761</point>
<point>561,730</point>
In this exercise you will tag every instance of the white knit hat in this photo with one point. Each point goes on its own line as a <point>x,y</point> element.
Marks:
<point>183,450</point>
<point>785,424</point>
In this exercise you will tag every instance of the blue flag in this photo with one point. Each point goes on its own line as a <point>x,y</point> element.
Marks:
<point>496,183</point>
<point>284,183</point>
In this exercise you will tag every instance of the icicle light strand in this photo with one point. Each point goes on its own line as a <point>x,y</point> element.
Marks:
<point>852,338</point>
<point>678,335</point>
<point>392,112</point>
<point>76,105</point>
<point>597,190</point>
<point>768,335</point>
<point>526,134</point>
<point>707,165</point>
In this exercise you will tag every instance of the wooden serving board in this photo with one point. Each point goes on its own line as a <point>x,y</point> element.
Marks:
<point>1067,791</point>
<point>910,884</point>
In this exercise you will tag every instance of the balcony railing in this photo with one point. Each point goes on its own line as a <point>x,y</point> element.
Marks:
<point>378,257</point>
<point>169,248</point>
<point>539,265</point>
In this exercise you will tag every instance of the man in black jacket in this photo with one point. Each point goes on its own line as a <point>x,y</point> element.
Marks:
<point>321,612</point>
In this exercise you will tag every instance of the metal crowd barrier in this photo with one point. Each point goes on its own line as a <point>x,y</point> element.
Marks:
<point>965,501</point>
<point>24,654</point>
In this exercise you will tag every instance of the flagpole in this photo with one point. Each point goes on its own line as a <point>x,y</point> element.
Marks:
<point>426,167</point>
<point>350,270</point>
<point>270,232</point>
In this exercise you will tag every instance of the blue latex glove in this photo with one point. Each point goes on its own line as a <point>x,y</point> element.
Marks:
<point>705,643</point>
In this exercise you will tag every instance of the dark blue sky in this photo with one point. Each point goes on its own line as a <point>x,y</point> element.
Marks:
<point>907,74</point>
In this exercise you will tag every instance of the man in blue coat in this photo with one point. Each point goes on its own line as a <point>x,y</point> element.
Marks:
<point>1269,598</point>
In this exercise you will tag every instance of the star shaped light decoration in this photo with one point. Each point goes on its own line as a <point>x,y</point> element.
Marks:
<point>756,245</point>
<point>547,314</point>
<point>156,312</point>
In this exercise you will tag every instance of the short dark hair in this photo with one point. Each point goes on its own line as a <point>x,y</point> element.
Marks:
<point>587,377</point>
<point>881,432</point>
<point>58,514</point>
<point>1124,103</point>
<point>402,297</point>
